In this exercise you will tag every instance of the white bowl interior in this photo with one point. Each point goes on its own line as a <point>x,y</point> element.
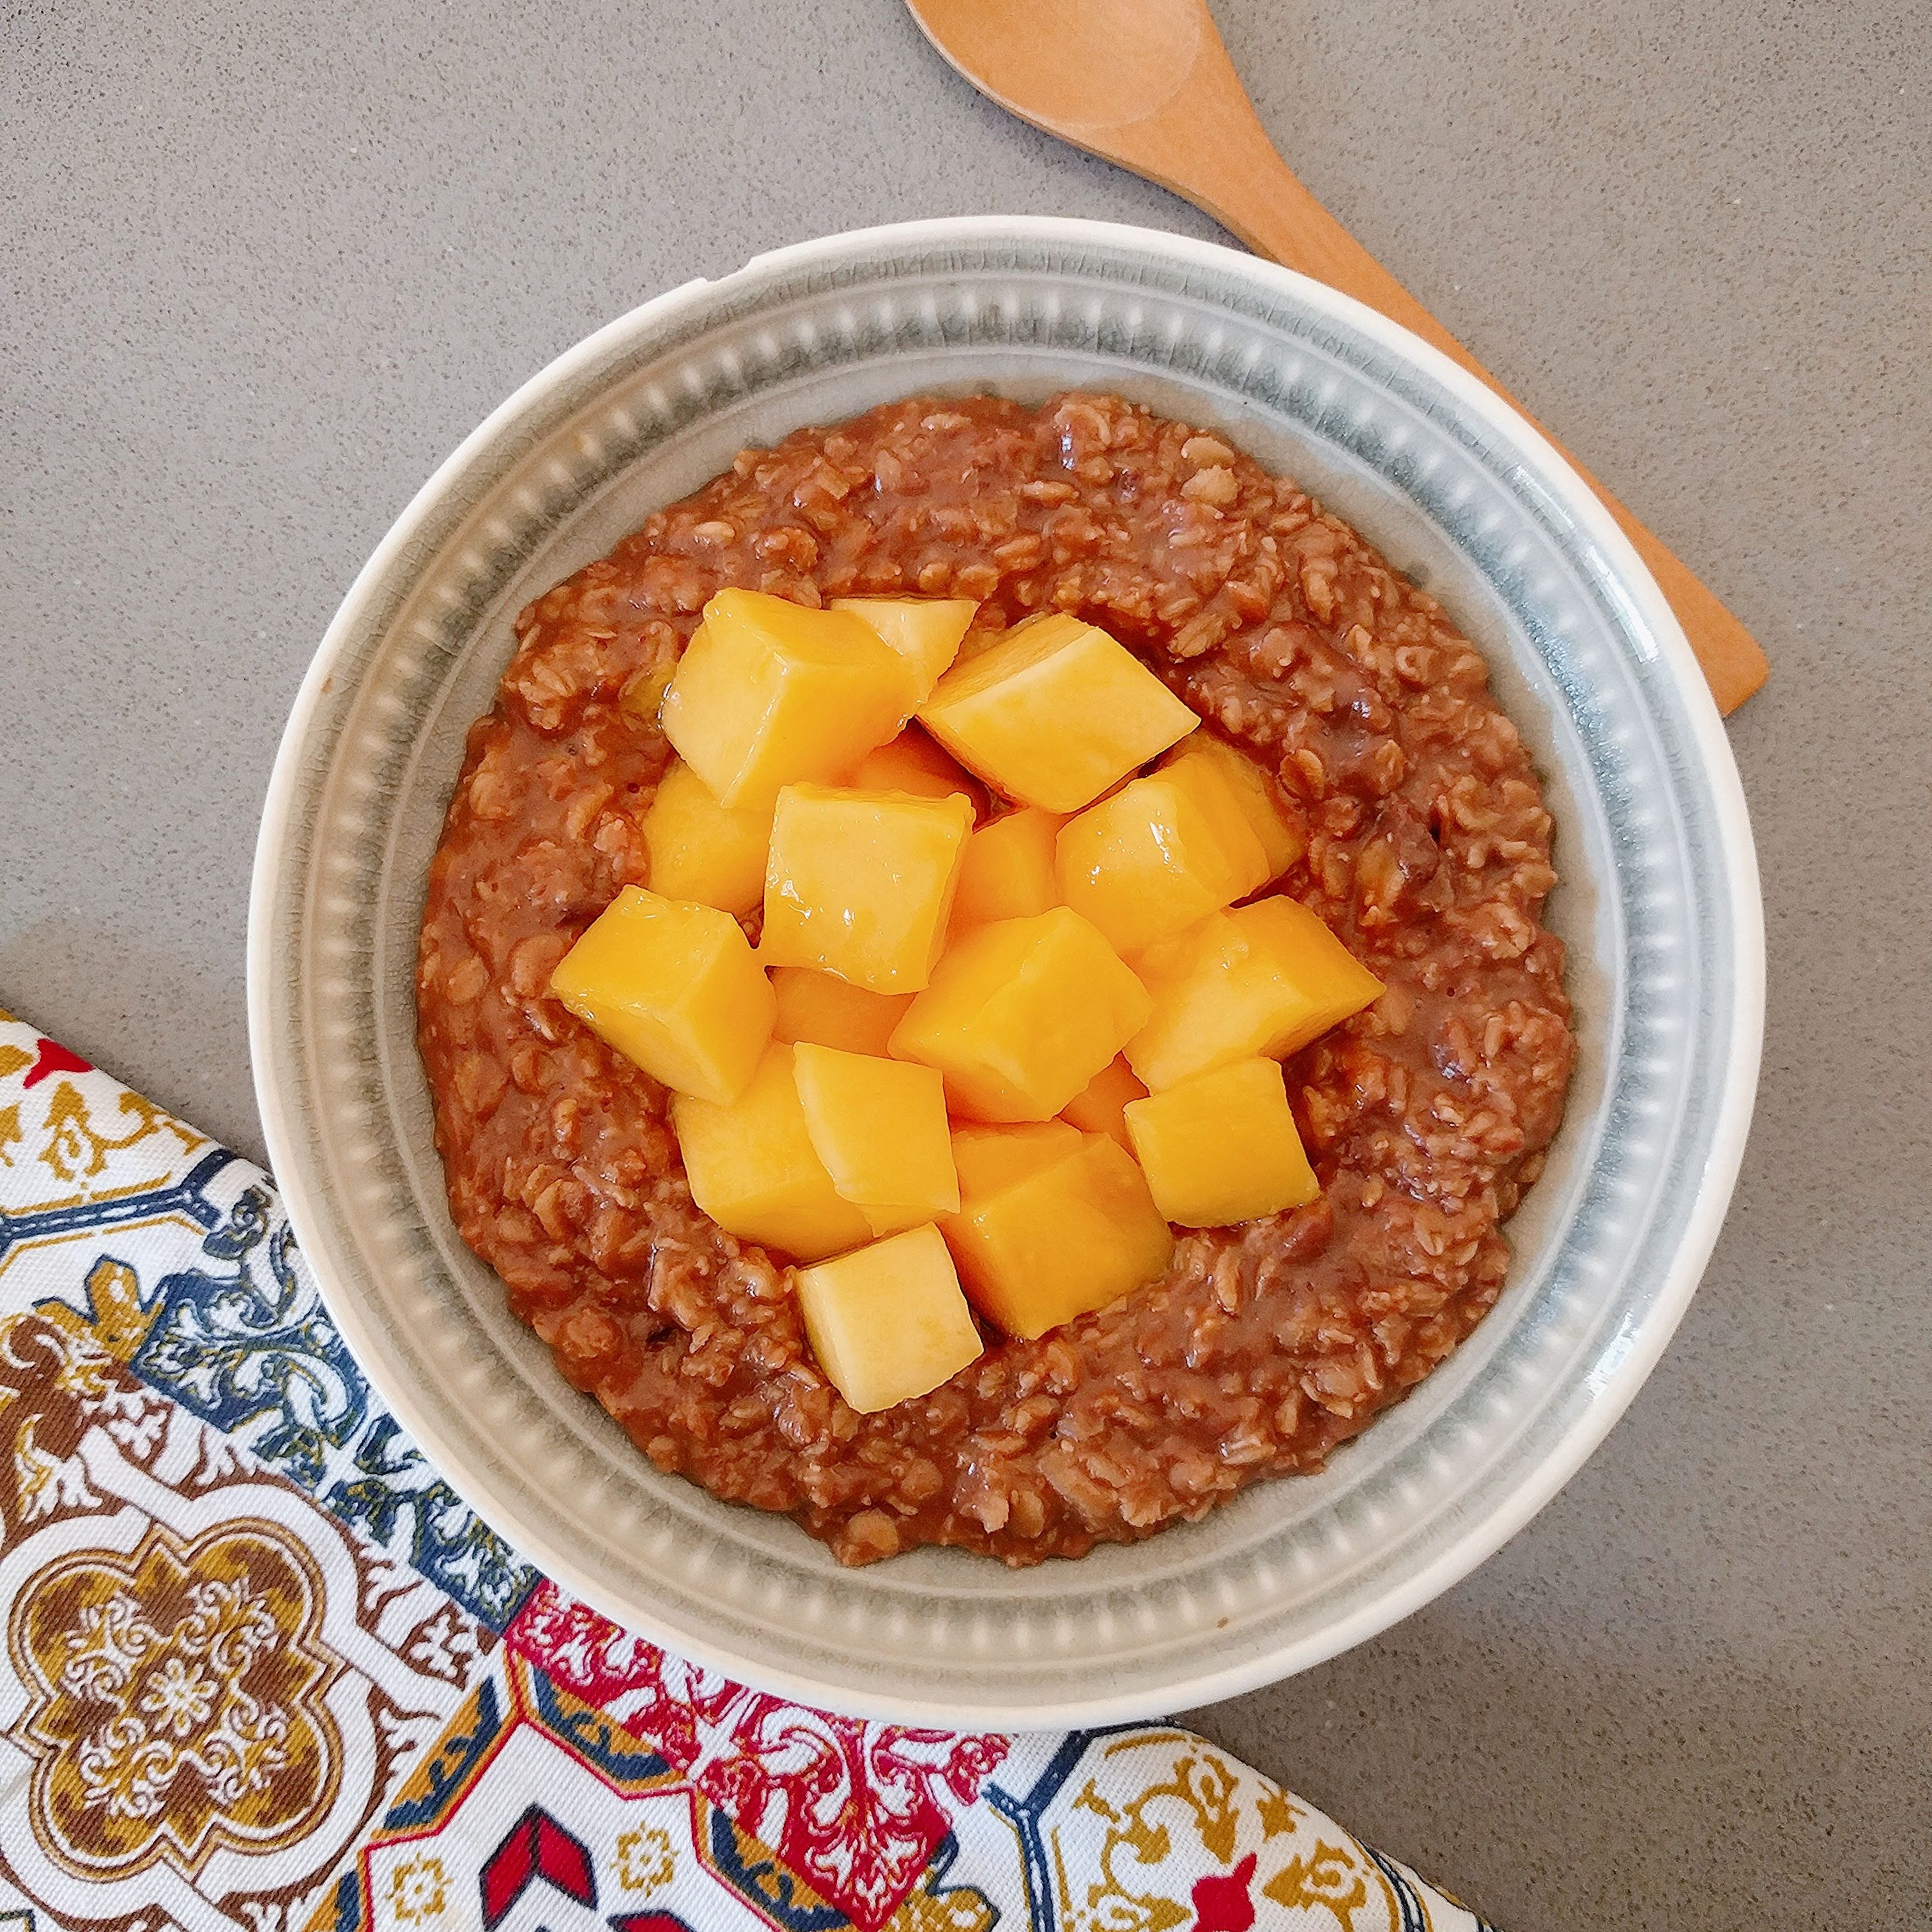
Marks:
<point>1656,902</point>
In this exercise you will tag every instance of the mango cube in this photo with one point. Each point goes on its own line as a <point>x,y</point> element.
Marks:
<point>888,1322</point>
<point>674,987</point>
<point>769,692</point>
<point>1222,1147</point>
<point>1097,1108</point>
<point>1060,1241</point>
<point>988,1158</point>
<point>861,882</point>
<point>1246,787</point>
<point>703,850</point>
<point>1009,869</point>
<point>1021,1015</point>
<point>752,1167</point>
<point>879,1127</point>
<point>913,763</point>
<point>1263,978</point>
<point>1149,861</point>
<point>828,1011</point>
<point>924,630</point>
<point>644,693</point>
<point>1053,713</point>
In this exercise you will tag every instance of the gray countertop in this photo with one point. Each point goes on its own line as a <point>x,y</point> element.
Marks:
<point>267,264</point>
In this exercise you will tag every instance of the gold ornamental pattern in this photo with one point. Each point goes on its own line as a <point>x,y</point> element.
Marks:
<point>177,1699</point>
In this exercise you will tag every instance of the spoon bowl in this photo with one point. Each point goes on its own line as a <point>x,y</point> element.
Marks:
<point>1104,66</point>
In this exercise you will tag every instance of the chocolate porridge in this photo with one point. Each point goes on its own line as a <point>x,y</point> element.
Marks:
<point>1265,1345</point>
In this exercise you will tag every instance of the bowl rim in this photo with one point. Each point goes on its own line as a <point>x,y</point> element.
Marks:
<point>1613,1390</point>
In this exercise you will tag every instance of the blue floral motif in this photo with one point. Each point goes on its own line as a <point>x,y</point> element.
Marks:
<point>397,1497</point>
<point>446,1769</point>
<point>756,1877</point>
<point>347,1902</point>
<point>600,1740</point>
<point>251,1350</point>
<point>245,1342</point>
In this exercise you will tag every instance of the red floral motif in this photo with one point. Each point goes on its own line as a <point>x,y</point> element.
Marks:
<point>54,1058</point>
<point>855,1808</point>
<point>1222,1904</point>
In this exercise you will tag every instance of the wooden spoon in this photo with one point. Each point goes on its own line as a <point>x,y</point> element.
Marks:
<point>1148,84</point>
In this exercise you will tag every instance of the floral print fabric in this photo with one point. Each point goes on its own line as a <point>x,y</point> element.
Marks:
<point>265,1670</point>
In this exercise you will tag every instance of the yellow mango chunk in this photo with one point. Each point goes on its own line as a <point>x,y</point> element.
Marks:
<point>888,1322</point>
<point>770,693</point>
<point>1149,861</point>
<point>673,986</point>
<point>1021,1014</point>
<point>924,630</point>
<point>828,1011</point>
<point>753,1169</point>
<point>1097,1107</point>
<point>1053,713</point>
<point>703,850</point>
<point>913,763</point>
<point>988,1158</point>
<point>861,882</point>
<point>1060,1241</point>
<point>1008,870</point>
<point>1244,786</point>
<point>1222,1147</point>
<point>1263,978</point>
<point>645,692</point>
<point>879,1127</point>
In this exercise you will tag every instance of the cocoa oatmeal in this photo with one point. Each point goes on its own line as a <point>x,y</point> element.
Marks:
<point>1428,852</point>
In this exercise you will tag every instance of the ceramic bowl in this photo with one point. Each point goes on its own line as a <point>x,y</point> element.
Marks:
<point>1658,901</point>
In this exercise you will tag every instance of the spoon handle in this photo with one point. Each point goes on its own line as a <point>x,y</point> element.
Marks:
<point>1209,147</point>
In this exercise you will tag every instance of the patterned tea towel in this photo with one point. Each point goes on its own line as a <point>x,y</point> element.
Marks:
<point>264,1670</point>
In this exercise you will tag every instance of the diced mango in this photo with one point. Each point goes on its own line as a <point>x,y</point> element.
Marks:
<point>701,849</point>
<point>988,1158</point>
<point>1222,1147</point>
<point>828,1011</point>
<point>1149,861</point>
<point>913,763</point>
<point>645,691</point>
<point>861,882</point>
<point>770,693</point>
<point>888,1322</point>
<point>1264,979</point>
<point>879,1127</point>
<point>1097,1108</point>
<point>1053,713</point>
<point>1021,1015</point>
<point>1250,791</point>
<point>673,986</point>
<point>753,1169</point>
<point>1060,1240</point>
<point>924,630</point>
<point>1009,869</point>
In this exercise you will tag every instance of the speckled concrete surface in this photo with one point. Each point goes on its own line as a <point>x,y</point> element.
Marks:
<point>267,264</point>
